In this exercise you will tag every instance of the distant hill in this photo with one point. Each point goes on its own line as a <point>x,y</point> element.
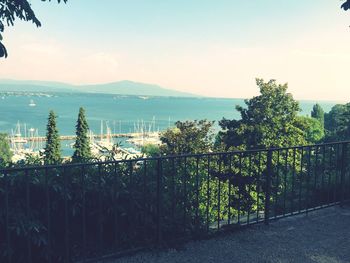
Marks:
<point>35,86</point>
<point>121,87</point>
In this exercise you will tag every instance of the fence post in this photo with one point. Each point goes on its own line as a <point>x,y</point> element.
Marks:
<point>343,171</point>
<point>268,187</point>
<point>159,202</point>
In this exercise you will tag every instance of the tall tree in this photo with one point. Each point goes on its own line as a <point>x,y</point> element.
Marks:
<point>82,151</point>
<point>52,153</point>
<point>12,9</point>
<point>5,151</point>
<point>318,113</point>
<point>269,120</point>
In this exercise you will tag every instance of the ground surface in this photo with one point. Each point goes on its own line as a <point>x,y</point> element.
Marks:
<point>323,236</point>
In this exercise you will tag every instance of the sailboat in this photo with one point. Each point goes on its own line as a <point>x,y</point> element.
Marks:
<point>32,103</point>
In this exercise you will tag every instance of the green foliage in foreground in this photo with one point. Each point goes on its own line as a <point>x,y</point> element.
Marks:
<point>123,202</point>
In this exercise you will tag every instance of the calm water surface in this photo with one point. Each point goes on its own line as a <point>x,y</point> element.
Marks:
<point>121,112</point>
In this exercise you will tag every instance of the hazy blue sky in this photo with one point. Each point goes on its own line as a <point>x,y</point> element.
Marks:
<point>209,47</point>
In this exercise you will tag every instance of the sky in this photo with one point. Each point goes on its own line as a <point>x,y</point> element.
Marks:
<point>207,47</point>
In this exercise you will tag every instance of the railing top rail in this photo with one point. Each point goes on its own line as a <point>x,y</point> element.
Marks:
<point>43,167</point>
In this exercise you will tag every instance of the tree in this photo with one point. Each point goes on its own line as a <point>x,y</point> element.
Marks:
<point>5,151</point>
<point>52,153</point>
<point>188,137</point>
<point>12,9</point>
<point>318,113</point>
<point>346,5</point>
<point>270,120</point>
<point>337,123</point>
<point>313,129</point>
<point>82,148</point>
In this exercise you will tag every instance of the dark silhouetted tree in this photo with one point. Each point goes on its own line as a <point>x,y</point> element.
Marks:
<point>318,113</point>
<point>12,9</point>
<point>52,153</point>
<point>5,151</point>
<point>346,5</point>
<point>82,148</point>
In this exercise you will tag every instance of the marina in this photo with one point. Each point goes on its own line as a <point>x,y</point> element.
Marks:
<point>103,144</point>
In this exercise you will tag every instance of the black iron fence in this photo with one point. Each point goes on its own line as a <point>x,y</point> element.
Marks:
<point>72,213</point>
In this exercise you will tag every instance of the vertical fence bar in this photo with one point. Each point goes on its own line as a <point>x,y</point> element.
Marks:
<point>48,216</point>
<point>7,219</point>
<point>28,214</point>
<point>308,179</point>
<point>335,192</point>
<point>173,193</point>
<point>316,168</point>
<point>100,225</point>
<point>329,173</point>
<point>144,190</point>
<point>249,185</point>
<point>229,190</point>
<point>115,204</point>
<point>301,176</point>
<point>293,180</point>
<point>258,188</point>
<point>83,211</point>
<point>219,193</point>
<point>285,186</point>
<point>197,195</point>
<point>277,183</point>
<point>239,189</point>
<point>268,187</point>
<point>159,201</point>
<point>208,194</point>
<point>323,170</point>
<point>66,221</point>
<point>343,171</point>
<point>184,181</point>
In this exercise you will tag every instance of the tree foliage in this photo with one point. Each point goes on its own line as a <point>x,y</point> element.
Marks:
<point>337,123</point>
<point>82,148</point>
<point>313,129</point>
<point>318,113</point>
<point>150,150</point>
<point>269,120</point>
<point>346,5</point>
<point>188,137</point>
<point>12,9</point>
<point>52,153</point>
<point>5,151</point>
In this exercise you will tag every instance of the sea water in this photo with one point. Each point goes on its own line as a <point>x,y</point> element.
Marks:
<point>123,114</point>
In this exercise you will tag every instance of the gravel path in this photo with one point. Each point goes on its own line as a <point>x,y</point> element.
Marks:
<point>323,236</point>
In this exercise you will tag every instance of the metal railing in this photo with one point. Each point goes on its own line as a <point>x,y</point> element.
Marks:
<point>76,212</point>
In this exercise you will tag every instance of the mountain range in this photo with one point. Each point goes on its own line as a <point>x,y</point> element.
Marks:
<point>124,87</point>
